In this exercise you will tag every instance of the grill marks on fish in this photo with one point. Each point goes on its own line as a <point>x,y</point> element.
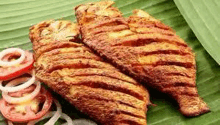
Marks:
<point>142,29</point>
<point>77,63</point>
<point>115,117</point>
<point>143,39</point>
<point>109,95</point>
<point>126,119</point>
<point>106,83</point>
<point>107,22</point>
<point>92,85</point>
<point>121,108</point>
<point>66,50</point>
<point>166,59</point>
<point>108,28</point>
<point>161,48</point>
<point>170,70</point>
<point>148,50</point>
<point>56,45</point>
<point>64,56</point>
<point>95,71</point>
<point>74,56</point>
<point>146,23</point>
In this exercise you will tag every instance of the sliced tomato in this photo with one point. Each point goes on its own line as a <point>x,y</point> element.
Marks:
<point>7,73</point>
<point>23,91</point>
<point>9,110</point>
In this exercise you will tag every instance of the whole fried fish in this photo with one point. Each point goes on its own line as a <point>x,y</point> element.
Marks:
<point>146,49</point>
<point>95,87</point>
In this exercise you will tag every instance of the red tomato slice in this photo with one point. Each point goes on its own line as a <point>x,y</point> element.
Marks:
<point>10,113</point>
<point>7,73</point>
<point>22,92</point>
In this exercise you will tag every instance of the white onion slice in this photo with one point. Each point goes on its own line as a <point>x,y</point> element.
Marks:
<point>67,118</point>
<point>50,114</point>
<point>15,62</point>
<point>56,115</point>
<point>17,100</point>
<point>19,87</point>
<point>82,122</point>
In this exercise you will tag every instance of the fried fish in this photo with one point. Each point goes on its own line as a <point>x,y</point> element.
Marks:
<point>146,49</point>
<point>93,86</point>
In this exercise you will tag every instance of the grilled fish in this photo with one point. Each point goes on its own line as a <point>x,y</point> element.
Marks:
<point>93,86</point>
<point>146,49</point>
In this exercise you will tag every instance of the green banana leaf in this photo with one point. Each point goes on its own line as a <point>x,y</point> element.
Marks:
<point>16,16</point>
<point>203,18</point>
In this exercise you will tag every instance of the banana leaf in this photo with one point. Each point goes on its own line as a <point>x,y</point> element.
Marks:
<point>203,18</point>
<point>16,16</point>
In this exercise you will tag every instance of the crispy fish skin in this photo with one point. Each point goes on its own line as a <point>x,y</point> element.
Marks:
<point>95,87</point>
<point>146,49</point>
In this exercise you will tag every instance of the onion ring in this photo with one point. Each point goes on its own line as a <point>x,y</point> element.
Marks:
<point>50,114</point>
<point>30,96</point>
<point>20,87</point>
<point>67,118</point>
<point>15,62</point>
<point>56,115</point>
<point>82,122</point>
